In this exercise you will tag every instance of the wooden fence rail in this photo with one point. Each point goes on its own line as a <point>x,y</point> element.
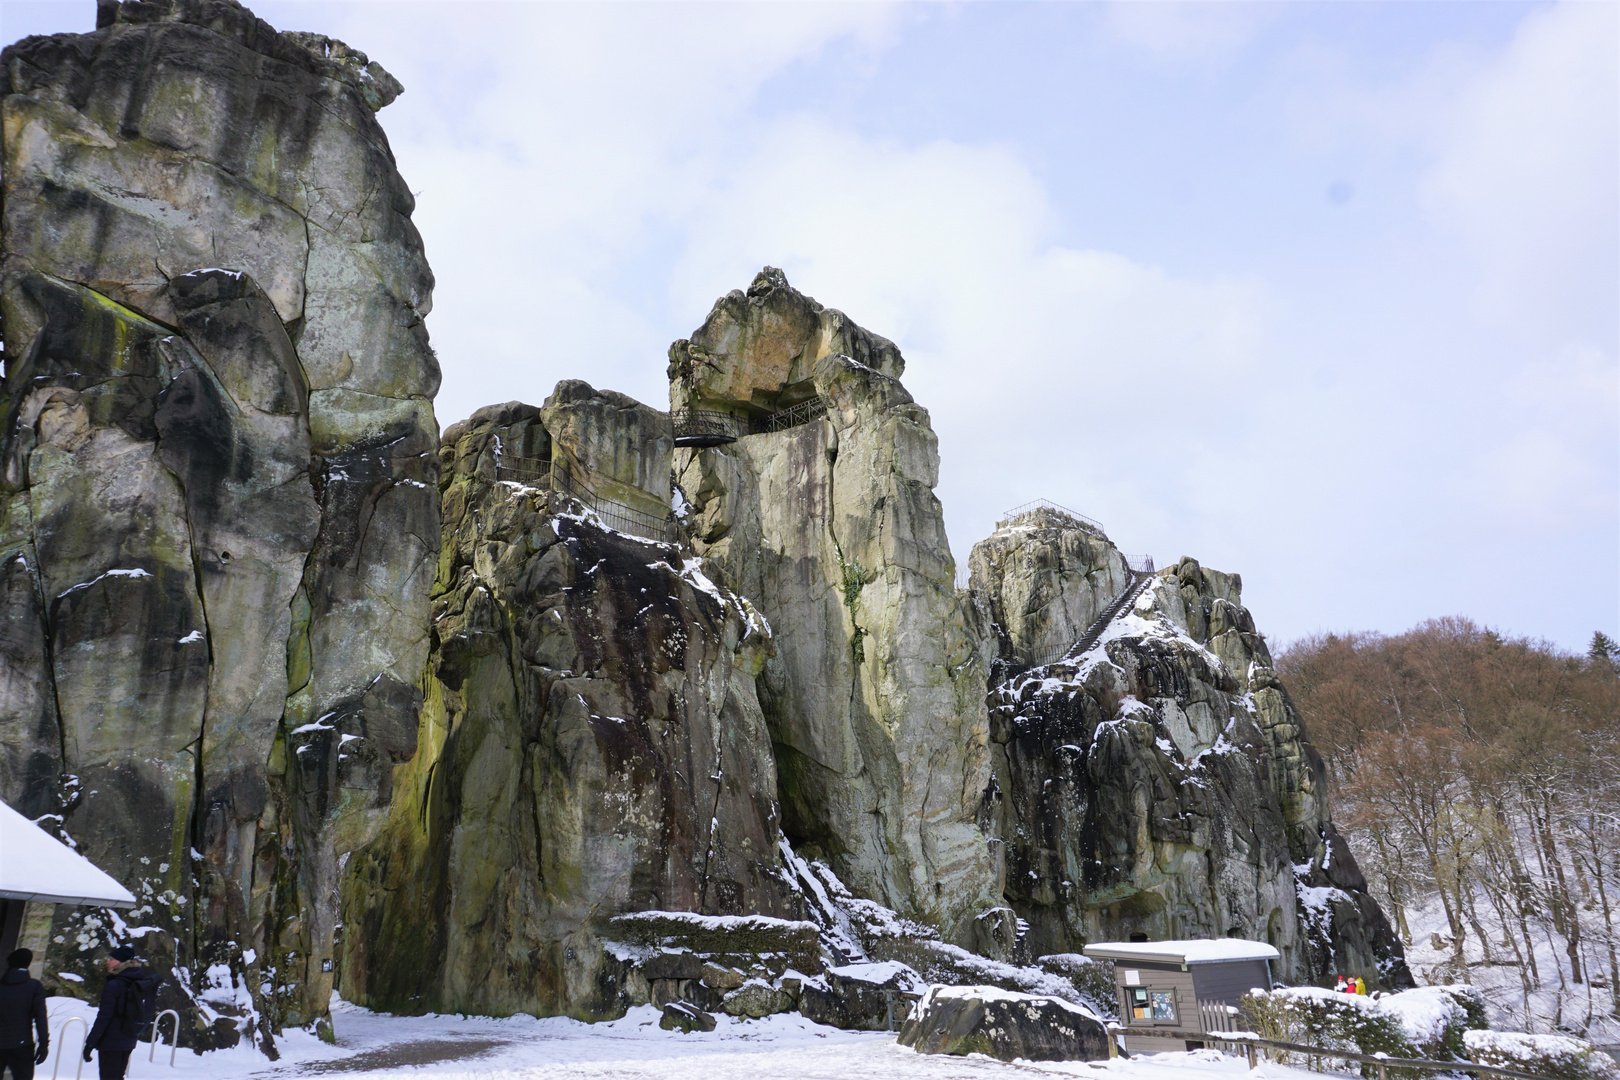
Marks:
<point>1250,1043</point>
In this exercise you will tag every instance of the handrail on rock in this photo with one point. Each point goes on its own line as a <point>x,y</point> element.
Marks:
<point>1139,570</point>
<point>706,427</point>
<point>793,416</point>
<point>561,480</point>
<point>1047,504</point>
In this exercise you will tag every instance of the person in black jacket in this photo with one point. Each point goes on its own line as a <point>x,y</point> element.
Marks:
<point>22,1006</point>
<point>119,1020</point>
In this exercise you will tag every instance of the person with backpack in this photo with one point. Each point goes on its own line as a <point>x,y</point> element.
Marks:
<point>126,1004</point>
<point>22,1006</point>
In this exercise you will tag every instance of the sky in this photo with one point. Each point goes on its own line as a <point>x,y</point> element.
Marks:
<point>1325,294</point>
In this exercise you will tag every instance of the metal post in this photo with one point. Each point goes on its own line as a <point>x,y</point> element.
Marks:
<point>174,1037</point>
<point>61,1032</point>
<point>888,1004</point>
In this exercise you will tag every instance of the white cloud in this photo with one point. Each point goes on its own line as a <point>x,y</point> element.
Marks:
<point>556,148</point>
<point>1529,176</point>
<point>1181,30</point>
<point>1040,363</point>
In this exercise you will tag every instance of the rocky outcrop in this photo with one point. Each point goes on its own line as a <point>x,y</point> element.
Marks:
<point>218,508</point>
<point>985,1020</point>
<point>591,744</point>
<point>1161,783</point>
<point>875,698</point>
<point>273,653</point>
<point>1053,573</point>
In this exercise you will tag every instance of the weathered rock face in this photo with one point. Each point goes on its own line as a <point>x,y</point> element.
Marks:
<point>1161,783</point>
<point>875,697</point>
<point>219,506</point>
<point>590,745</point>
<point>757,351</point>
<point>985,1020</point>
<point>1053,574</point>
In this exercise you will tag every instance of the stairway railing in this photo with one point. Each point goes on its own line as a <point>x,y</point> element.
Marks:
<point>1140,569</point>
<point>616,515</point>
<point>782,419</point>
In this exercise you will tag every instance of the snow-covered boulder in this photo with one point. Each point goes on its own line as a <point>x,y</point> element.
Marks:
<point>861,996</point>
<point>1002,1024</point>
<point>1545,1055</point>
<point>686,1018</point>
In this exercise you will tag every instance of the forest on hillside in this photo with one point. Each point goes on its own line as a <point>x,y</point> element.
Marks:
<point>1477,778</point>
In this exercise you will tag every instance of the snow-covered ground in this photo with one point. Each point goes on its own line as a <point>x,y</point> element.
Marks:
<point>785,1047</point>
<point>1556,1002</point>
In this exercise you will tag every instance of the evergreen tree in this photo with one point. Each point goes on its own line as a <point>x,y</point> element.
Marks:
<point>1603,650</point>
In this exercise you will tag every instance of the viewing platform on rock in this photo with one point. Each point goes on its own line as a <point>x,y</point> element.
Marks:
<point>714,427</point>
<point>1040,513</point>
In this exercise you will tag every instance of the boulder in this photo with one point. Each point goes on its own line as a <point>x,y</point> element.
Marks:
<point>756,998</point>
<point>1004,1025</point>
<point>679,1016</point>
<point>862,997</point>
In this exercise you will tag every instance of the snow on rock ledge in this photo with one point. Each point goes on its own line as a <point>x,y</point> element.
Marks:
<point>1004,1025</point>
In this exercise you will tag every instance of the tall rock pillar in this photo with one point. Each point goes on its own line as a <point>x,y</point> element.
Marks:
<point>218,505</point>
<point>822,512</point>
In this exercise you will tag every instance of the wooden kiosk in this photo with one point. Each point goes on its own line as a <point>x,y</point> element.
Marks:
<point>1181,985</point>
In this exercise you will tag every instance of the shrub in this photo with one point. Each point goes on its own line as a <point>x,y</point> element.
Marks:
<point>1428,1022</point>
<point>1545,1055</point>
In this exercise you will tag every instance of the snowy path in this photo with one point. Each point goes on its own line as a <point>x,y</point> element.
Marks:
<point>785,1047</point>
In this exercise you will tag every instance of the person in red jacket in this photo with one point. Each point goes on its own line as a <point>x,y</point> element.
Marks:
<point>122,1012</point>
<point>22,1006</point>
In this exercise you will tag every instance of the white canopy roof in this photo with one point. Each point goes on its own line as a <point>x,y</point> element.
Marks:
<point>34,865</point>
<point>1183,952</point>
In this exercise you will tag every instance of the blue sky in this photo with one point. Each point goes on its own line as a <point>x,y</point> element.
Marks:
<point>1322,293</point>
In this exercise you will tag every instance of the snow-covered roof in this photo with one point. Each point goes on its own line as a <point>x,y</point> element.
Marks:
<point>36,866</point>
<point>1183,952</point>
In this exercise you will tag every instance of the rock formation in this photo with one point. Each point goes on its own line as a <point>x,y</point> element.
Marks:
<point>591,743</point>
<point>1160,782</point>
<point>481,723</point>
<point>875,698</point>
<point>219,496</point>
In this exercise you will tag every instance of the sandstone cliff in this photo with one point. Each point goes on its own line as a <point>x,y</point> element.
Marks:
<point>218,507</point>
<point>591,743</point>
<point>1160,781</point>
<point>875,698</point>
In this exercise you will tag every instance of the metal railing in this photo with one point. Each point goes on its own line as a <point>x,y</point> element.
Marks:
<point>531,471</point>
<point>1140,569</point>
<point>802,413</point>
<point>1384,1063</point>
<point>1089,523</point>
<point>60,1033</point>
<point>174,1037</point>
<point>711,427</point>
<point>612,513</point>
<point>706,427</point>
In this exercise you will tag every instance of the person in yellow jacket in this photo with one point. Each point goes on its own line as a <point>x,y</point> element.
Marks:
<point>1361,986</point>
